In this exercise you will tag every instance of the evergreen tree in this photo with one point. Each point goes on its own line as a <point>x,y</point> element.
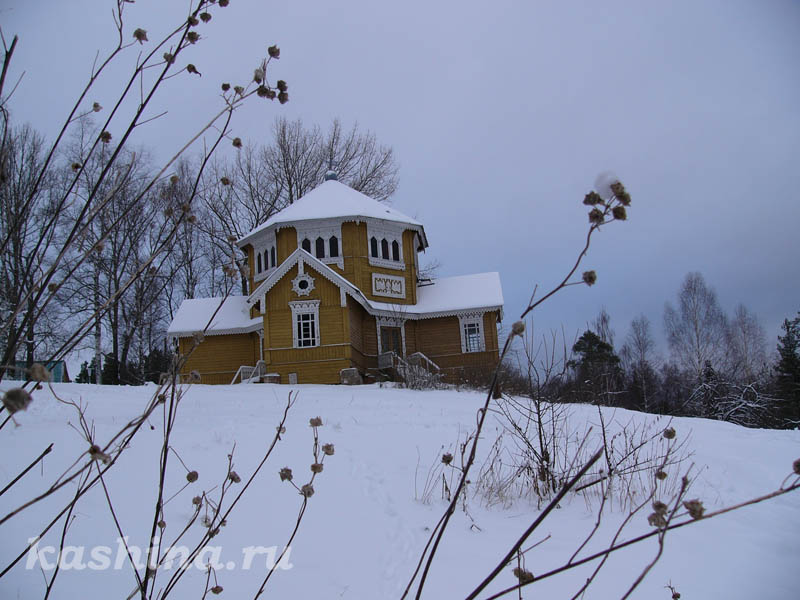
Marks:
<point>597,368</point>
<point>787,370</point>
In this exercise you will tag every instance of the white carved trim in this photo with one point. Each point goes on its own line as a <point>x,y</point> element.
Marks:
<point>391,322</point>
<point>386,264</point>
<point>387,284</point>
<point>298,289</point>
<point>472,319</point>
<point>301,307</point>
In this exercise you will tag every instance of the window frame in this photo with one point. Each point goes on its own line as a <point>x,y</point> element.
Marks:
<point>472,341</point>
<point>305,312</point>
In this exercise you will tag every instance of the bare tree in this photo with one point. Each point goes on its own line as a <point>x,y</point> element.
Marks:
<point>697,329</point>
<point>637,356</point>
<point>602,326</point>
<point>747,346</point>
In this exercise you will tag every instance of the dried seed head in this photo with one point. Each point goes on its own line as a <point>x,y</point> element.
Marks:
<point>234,477</point>
<point>657,520</point>
<point>95,453</point>
<point>205,17</point>
<point>315,422</point>
<point>162,397</point>
<point>162,524</point>
<point>198,337</point>
<point>280,429</point>
<point>661,475</point>
<point>237,142</point>
<point>217,589</point>
<point>281,85</point>
<point>263,91</point>
<point>695,508</point>
<point>274,52</point>
<point>285,473</point>
<point>283,97</point>
<point>38,370</point>
<point>224,181</point>
<point>617,188</point>
<point>589,277</point>
<point>168,212</point>
<point>258,75</point>
<point>238,89</point>
<point>168,58</point>
<point>76,166</point>
<point>197,500</point>
<point>192,69</point>
<point>96,107</point>
<point>619,213</point>
<point>194,377</point>
<point>16,399</point>
<point>596,216</point>
<point>226,87</point>
<point>327,449</point>
<point>140,35</point>
<point>173,179</point>
<point>192,21</point>
<point>307,490</point>
<point>105,137</point>
<point>192,219</point>
<point>223,3</point>
<point>592,199</point>
<point>796,466</point>
<point>192,476</point>
<point>232,238</point>
<point>523,575</point>
<point>447,458</point>
<point>660,507</point>
<point>518,328</point>
<point>52,287</point>
<point>192,36</point>
<point>669,433</point>
<point>316,468</point>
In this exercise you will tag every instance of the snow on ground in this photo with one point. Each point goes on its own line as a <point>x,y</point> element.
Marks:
<point>364,529</point>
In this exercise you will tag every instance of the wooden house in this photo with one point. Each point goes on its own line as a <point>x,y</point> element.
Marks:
<point>336,294</point>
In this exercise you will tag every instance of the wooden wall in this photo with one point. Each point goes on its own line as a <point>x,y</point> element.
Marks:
<point>218,357</point>
<point>319,364</point>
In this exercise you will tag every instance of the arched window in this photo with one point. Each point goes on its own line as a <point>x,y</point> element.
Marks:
<point>373,246</point>
<point>320,248</point>
<point>259,262</point>
<point>395,250</point>
<point>307,245</point>
<point>266,259</point>
<point>384,249</point>
<point>333,243</point>
<point>272,256</point>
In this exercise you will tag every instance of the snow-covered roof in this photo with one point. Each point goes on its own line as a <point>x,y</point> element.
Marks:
<point>333,200</point>
<point>443,297</point>
<point>451,295</point>
<point>232,317</point>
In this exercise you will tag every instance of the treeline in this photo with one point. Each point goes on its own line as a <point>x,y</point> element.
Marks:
<point>719,366</point>
<point>123,245</point>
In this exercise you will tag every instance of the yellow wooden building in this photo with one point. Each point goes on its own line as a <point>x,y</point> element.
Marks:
<point>336,296</point>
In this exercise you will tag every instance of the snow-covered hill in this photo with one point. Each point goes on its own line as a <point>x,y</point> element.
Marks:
<point>365,527</point>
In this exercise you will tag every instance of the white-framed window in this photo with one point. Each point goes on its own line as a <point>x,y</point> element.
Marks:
<point>322,241</point>
<point>385,244</point>
<point>265,255</point>
<point>305,323</point>
<point>472,339</point>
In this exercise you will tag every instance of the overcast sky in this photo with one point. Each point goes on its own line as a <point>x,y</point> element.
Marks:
<point>501,115</point>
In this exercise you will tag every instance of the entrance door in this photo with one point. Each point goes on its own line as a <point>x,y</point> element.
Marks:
<point>391,340</point>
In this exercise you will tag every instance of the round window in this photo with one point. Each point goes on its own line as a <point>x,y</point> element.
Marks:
<point>302,284</point>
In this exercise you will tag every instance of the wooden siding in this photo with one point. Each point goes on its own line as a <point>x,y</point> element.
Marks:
<point>218,357</point>
<point>358,271</point>
<point>317,364</point>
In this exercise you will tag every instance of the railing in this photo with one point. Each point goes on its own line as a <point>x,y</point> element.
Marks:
<point>417,371</point>
<point>247,374</point>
